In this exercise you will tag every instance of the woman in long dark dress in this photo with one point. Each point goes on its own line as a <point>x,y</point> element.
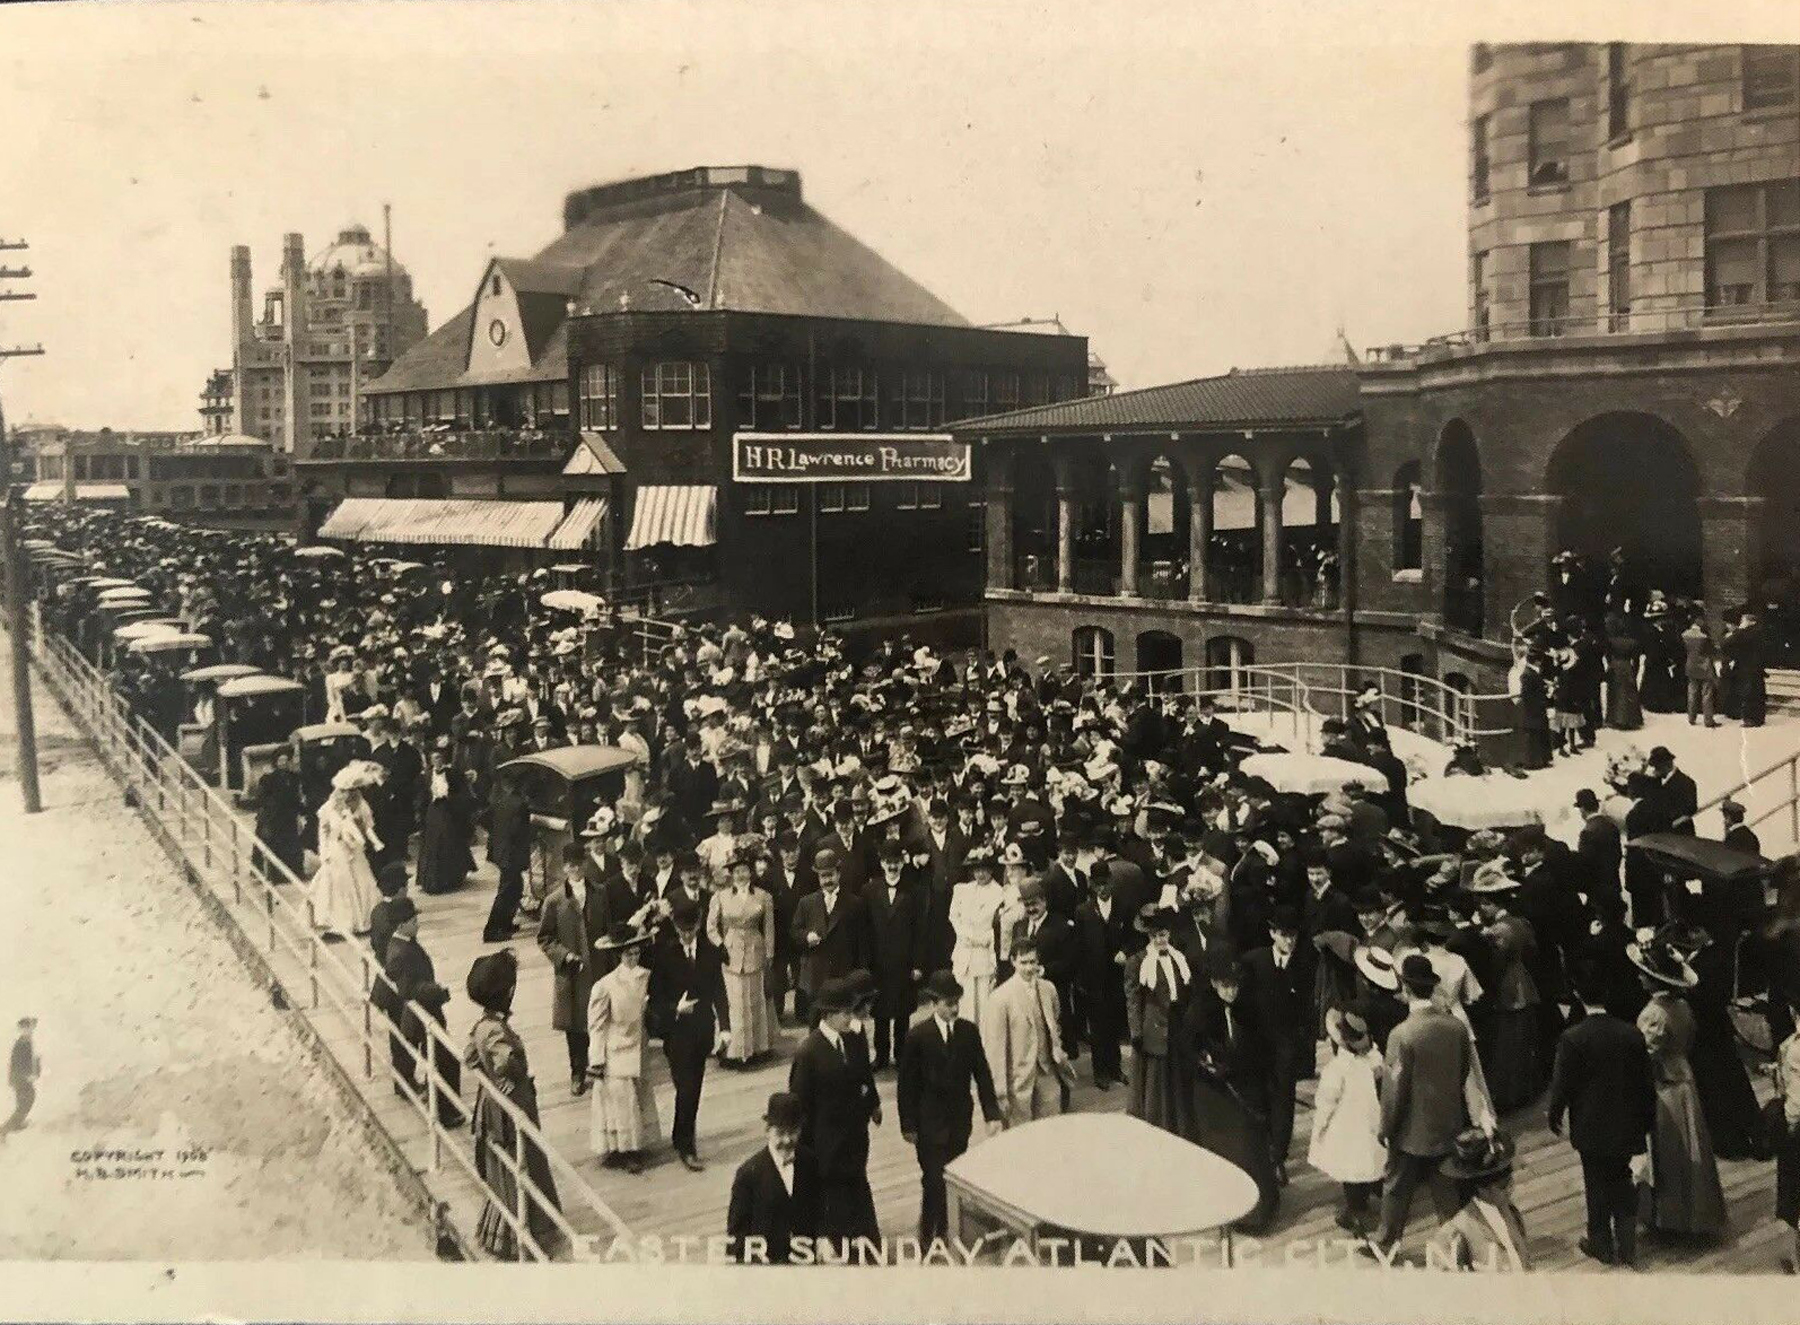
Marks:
<point>1534,711</point>
<point>445,860</point>
<point>497,1056</point>
<point>1726,1096</point>
<point>1624,709</point>
<point>1661,689</point>
<point>1227,1113</point>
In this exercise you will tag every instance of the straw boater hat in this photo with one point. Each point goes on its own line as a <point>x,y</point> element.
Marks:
<point>1377,967</point>
<point>1349,1030</point>
<point>1491,877</point>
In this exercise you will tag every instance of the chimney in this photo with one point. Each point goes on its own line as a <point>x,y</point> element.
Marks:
<point>242,333</point>
<point>295,440</point>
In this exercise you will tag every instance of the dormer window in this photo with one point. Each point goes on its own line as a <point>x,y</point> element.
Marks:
<point>494,286</point>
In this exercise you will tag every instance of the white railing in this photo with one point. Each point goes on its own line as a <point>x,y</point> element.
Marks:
<point>326,982</point>
<point>1313,691</point>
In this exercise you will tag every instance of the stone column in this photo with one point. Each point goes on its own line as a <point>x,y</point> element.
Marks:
<point>1434,550</point>
<point>1065,531</point>
<point>998,521</point>
<point>1728,530</point>
<point>1200,523</point>
<point>1269,491</point>
<point>1131,528</point>
<point>1517,535</point>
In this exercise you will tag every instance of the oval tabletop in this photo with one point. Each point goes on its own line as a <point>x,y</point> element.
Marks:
<point>1311,775</point>
<point>1494,800</point>
<point>1108,1174</point>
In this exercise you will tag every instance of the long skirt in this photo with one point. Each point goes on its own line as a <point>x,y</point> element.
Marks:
<point>494,1136</point>
<point>1156,1095</point>
<point>752,1016</point>
<point>1623,711</point>
<point>1684,1195</point>
<point>623,1117</point>
<point>445,861</point>
<point>1229,1127</point>
<point>1512,1066</point>
<point>343,892</point>
<point>1727,1099</point>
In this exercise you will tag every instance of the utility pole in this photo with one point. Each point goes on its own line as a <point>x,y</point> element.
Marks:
<point>15,569</point>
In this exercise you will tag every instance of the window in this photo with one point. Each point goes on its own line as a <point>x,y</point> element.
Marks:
<point>1618,264</point>
<point>856,496</point>
<point>1093,652</point>
<point>494,288</point>
<point>1771,77</point>
<point>1409,519</point>
<point>1478,280</point>
<point>677,395</point>
<point>1037,389</point>
<point>771,499</point>
<point>1753,244</point>
<point>234,494</point>
<point>209,495</point>
<point>1550,288</point>
<point>922,399</point>
<point>1481,56</point>
<point>931,497</point>
<point>906,496</point>
<point>974,393</point>
<point>181,497</point>
<point>847,399</point>
<point>131,466</point>
<point>599,396</point>
<point>977,523</point>
<point>279,493</point>
<point>1006,391</point>
<point>1478,158</point>
<point>770,398</point>
<point>1550,142</point>
<point>1618,93</point>
<point>831,497</point>
<point>756,499</point>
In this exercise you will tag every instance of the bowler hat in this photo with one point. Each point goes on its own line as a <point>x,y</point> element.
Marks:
<point>392,880</point>
<point>942,985</point>
<point>1418,974</point>
<point>832,996</point>
<point>684,911</point>
<point>784,1112</point>
<point>1151,918</point>
<point>826,860</point>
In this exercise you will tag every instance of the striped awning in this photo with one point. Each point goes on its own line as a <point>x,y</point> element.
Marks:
<point>83,492</point>
<point>466,521</point>
<point>681,514</point>
<point>578,525</point>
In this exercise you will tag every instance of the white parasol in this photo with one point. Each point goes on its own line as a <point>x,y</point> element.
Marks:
<point>1311,775</point>
<point>318,550</point>
<point>572,600</point>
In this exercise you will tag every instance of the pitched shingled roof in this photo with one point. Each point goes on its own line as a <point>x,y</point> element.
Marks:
<point>736,248</point>
<point>1258,396</point>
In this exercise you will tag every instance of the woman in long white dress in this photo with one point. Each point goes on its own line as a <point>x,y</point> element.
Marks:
<point>622,1120</point>
<point>974,906</point>
<point>343,889</point>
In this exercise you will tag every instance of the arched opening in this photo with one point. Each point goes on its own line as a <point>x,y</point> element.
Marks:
<point>1234,556</point>
<point>1034,519</point>
<point>1227,657</point>
<point>1163,550</point>
<point>1309,529</point>
<point>1458,480</point>
<point>1409,518</point>
<point>1627,482</point>
<point>1775,582</point>
<point>1096,486</point>
<point>1092,652</point>
<point>1159,657</point>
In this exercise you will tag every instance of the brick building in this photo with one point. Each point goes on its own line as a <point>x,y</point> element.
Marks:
<point>223,482</point>
<point>1628,379</point>
<point>714,397</point>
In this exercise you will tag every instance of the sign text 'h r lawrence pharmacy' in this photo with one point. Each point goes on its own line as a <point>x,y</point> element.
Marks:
<point>811,457</point>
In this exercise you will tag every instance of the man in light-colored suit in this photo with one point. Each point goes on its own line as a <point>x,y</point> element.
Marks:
<point>1428,1098</point>
<point>1021,1032</point>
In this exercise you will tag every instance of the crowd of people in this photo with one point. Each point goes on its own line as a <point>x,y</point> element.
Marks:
<point>974,874</point>
<point>1598,648</point>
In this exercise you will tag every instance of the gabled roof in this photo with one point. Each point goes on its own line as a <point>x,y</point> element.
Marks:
<point>710,248</point>
<point>1267,397</point>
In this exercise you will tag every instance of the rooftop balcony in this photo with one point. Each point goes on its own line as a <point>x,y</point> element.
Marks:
<point>440,444</point>
<point>1692,321</point>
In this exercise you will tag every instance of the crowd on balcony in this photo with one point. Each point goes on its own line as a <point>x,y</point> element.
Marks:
<point>443,439</point>
<point>971,876</point>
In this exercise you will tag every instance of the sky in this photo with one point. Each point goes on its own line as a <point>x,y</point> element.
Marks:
<point>1193,187</point>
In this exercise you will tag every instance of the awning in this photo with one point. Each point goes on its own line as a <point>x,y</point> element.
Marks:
<point>83,492</point>
<point>470,521</point>
<point>593,458</point>
<point>681,514</point>
<point>578,525</point>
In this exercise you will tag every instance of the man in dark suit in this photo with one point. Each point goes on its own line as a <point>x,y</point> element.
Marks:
<point>693,782</point>
<point>1103,937</point>
<point>831,926</point>
<point>1062,889</point>
<point>774,1193</point>
<point>1601,1084</point>
<point>941,1058</point>
<point>897,934</point>
<point>1279,992</point>
<point>395,804</point>
<point>1429,1058</point>
<point>1599,850</point>
<point>1673,790</point>
<point>687,1009</point>
<point>573,920</point>
<point>830,1076</point>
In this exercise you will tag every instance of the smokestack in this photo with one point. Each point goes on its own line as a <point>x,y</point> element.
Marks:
<point>242,334</point>
<point>294,398</point>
